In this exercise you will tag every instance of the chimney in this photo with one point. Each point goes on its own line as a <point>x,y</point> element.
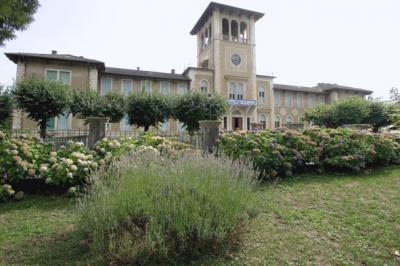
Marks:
<point>173,71</point>
<point>138,68</point>
<point>53,52</point>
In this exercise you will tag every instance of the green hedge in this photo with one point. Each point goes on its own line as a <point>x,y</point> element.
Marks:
<point>26,163</point>
<point>283,152</point>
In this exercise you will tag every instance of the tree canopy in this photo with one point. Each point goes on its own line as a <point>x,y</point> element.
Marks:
<point>145,110</point>
<point>15,15</point>
<point>6,106</point>
<point>42,100</point>
<point>349,111</point>
<point>192,107</point>
<point>87,103</point>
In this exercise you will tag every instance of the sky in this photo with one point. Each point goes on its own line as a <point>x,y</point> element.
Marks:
<point>301,42</point>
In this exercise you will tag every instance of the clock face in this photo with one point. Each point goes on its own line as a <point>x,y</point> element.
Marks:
<point>236,59</point>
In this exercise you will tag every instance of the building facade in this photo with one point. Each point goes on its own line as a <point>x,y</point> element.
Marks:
<point>226,64</point>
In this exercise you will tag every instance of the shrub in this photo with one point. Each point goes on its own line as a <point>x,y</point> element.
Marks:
<point>281,152</point>
<point>6,108</point>
<point>150,209</point>
<point>274,153</point>
<point>20,157</point>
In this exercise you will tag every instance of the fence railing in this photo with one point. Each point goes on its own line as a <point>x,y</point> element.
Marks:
<point>61,137</point>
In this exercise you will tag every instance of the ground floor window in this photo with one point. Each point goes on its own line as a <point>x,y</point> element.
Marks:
<point>277,121</point>
<point>248,123</point>
<point>225,122</point>
<point>125,123</point>
<point>263,121</point>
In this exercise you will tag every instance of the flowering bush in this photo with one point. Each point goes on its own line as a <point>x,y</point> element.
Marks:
<point>69,166</point>
<point>280,152</point>
<point>20,158</point>
<point>274,153</point>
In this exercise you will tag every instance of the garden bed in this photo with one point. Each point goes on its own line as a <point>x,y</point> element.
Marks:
<point>311,219</point>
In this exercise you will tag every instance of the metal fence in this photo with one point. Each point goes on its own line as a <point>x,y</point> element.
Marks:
<point>61,137</point>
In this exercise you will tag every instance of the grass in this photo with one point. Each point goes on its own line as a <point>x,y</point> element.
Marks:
<point>313,219</point>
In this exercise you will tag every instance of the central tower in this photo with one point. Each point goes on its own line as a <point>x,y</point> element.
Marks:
<point>226,45</point>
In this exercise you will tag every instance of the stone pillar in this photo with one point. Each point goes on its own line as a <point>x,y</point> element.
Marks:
<point>97,129</point>
<point>209,134</point>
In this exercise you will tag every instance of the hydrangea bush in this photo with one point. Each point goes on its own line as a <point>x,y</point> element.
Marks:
<point>281,152</point>
<point>69,166</point>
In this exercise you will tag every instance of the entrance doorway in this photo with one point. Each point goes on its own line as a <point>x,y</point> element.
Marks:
<point>237,123</point>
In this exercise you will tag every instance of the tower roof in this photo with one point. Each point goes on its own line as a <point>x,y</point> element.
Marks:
<point>213,5</point>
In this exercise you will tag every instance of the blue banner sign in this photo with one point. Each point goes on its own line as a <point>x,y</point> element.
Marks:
<point>242,102</point>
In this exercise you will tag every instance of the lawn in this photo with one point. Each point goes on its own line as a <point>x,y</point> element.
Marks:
<point>311,219</point>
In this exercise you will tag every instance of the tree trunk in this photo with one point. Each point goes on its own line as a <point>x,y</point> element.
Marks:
<point>43,125</point>
<point>146,128</point>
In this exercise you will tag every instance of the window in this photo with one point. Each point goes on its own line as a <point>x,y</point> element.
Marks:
<point>204,86</point>
<point>234,30</point>
<point>182,88</point>
<point>289,120</point>
<point>232,90</point>
<point>146,86</point>
<point>277,121</point>
<point>165,87</point>
<point>124,124</point>
<point>300,100</point>
<point>180,126</point>
<point>126,86</point>
<point>243,32</point>
<point>322,99</point>
<point>263,121</point>
<point>240,91</point>
<point>164,126</point>
<point>277,98</point>
<point>108,126</point>
<point>311,100</point>
<point>51,123</point>
<point>105,85</point>
<point>63,122</point>
<point>288,99</point>
<point>248,123</point>
<point>225,29</point>
<point>225,122</point>
<point>261,94</point>
<point>59,75</point>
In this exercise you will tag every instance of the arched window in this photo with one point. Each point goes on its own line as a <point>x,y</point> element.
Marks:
<point>261,94</point>
<point>234,30</point>
<point>204,85</point>
<point>289,120</point>
<point>240,91</point>
<point>243,32</point>
<point>209,32</point>
<point>225,29</point>
<point>263,121</point>
<point>277,121</point>
<point>232,90</point>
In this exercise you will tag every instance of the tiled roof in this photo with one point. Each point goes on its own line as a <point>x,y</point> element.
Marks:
<point>144,74</point>
<point>330,86</point>
<point>297,88</point>
<point>208,12</point>
<point>61,57</point>
<point>320,88</point>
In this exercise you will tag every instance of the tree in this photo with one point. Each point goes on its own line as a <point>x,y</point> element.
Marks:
<point>88,103</point>
<point>192,107</point>
<point>42,100</point>
<point>394,94</point>
<point>347,111</point>
<point>6,106</point>
<point>322,115</point>
<point>378,115</point>
<point>15,15</point>
<point>145,110</point>
<point>394,114</point>
<point>351,111</point>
